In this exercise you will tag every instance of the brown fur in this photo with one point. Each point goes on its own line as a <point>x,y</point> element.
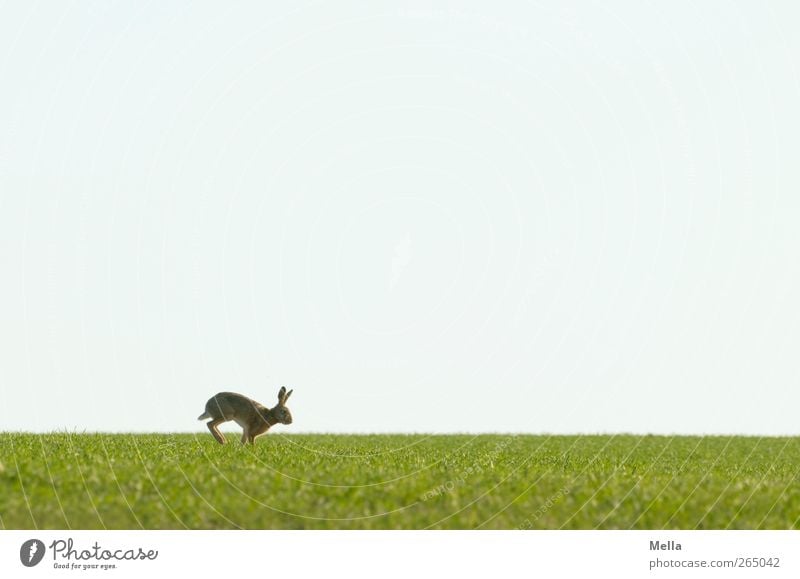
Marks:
<point>254,418</point>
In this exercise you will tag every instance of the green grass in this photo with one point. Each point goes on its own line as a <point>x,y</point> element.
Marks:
<point>163,481</point>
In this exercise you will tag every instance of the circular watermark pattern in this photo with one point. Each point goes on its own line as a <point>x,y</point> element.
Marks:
<point>31,552</point>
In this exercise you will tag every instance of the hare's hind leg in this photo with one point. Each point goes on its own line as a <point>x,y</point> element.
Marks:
<point>212,426</point>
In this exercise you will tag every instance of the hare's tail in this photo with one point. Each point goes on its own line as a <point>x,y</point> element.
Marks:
<point>203,416</point>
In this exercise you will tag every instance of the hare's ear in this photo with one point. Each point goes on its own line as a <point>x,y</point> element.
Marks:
<point>285,398</point>
<point>282,395</point>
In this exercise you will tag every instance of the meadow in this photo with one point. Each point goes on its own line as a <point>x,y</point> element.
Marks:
<point>317,481</point>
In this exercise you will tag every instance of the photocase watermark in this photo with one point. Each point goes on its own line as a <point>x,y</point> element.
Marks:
<point>508,29</point>
<point>482,463</point>
<point>400,259</point>
<point>31,552</point>
<point>541,274</point>
<point>67,556</point>
<point>546,506</point>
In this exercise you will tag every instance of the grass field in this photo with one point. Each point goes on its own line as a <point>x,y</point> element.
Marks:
<point>398,482</point>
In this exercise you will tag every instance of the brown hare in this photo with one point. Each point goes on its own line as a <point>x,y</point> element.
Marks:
<point>253,417</point>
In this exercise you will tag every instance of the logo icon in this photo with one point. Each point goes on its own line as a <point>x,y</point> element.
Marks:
<point>31,552</point>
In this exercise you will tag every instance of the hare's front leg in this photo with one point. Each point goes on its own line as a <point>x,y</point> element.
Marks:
<point>258,430</point>
<point>246,435</point>
<point>212,426</point>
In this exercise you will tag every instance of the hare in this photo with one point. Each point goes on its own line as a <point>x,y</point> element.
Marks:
<point>253,417</point>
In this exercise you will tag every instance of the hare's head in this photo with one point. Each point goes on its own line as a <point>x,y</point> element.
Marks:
<point>280,411</point>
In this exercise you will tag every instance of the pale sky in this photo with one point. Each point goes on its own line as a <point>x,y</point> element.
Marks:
<point>541,217</point>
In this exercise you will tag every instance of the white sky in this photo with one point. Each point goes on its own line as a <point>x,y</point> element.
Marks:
<point>542,217</point>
